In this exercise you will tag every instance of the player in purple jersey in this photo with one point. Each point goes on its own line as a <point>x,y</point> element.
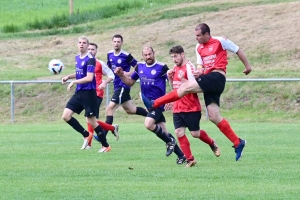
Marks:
<point>120,58</point>
<point>152,75</point>
<point>84,97</point>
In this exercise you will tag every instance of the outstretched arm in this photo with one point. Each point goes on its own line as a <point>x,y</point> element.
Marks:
<point>127,80</point>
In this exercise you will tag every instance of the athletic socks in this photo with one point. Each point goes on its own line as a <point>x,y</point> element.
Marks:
<point>75,124</point>
<point>105,126</point>
<point>185,147</point>
<point>109,120</point>
<point>228,132</point>
<point>162,135</point>
<point>141,111</point>
<point>170,97</point>
<point>177,150</point>
<point>101,136</point>
<point>205,138</point>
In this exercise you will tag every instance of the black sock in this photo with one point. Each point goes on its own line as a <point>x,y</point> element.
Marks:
<point>75,124</point>
<point>109,120</point>
<point>102,137</point>
<point>141,111</point>
<point>177,150</point>
<point>162,135</point>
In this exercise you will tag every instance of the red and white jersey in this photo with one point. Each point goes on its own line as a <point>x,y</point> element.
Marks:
<point>100,70</point>
<point>189,102</point>
<point>213,54</point>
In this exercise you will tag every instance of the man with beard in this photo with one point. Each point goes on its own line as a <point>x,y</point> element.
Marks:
<point>187,110</point>
<point>152,75</point>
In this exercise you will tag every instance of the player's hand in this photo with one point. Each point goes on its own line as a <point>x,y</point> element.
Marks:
<point>170,73</point>
<point>64,79</point>
<point>102,86</point>
<point>119,71</point>
<point>247,70</point>
<point>197,73</point>
<point>70,86</point>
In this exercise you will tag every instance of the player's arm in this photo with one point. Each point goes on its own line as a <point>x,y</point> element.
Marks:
<point>244,59</point>
<point>133,63</point>
<point>70,76</point>
<point>200,66</point>
<point>230,46</point>
<point>125,79</point>
<point>109,73</point>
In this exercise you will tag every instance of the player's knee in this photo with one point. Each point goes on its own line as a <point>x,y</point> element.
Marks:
<point>66,117</point>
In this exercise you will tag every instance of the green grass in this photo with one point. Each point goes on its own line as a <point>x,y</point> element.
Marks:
<point>43,161</point>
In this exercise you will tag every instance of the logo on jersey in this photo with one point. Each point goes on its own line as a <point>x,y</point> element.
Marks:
<point>82,64</point>
<point>153,113</point>
<point>141,72</point>
<point>180,74</point>
<point>153,72</point>
<point>119,61</point>
<point>210,48</point>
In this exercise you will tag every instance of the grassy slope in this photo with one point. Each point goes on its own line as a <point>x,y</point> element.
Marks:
<point>262,41</point>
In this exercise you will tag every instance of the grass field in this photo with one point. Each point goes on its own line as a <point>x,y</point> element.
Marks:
<point>43,161</point>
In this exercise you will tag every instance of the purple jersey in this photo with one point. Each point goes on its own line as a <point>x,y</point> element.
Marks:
<point>152,79</point>
<point>124,60</point>
<point>83,65</point>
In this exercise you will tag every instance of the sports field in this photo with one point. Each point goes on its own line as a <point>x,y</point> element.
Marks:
<point>44,161</point>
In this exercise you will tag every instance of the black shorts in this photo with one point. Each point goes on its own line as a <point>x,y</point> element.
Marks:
<point>99,101</point>
<point>84,100</point>
<point>191,120</point>
<point>121,95</point>
<point>157,115</point>
<point>213,85</point>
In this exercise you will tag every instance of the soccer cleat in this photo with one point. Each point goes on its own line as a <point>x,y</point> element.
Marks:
<point>148,103</point>
<point>239,150</point>
<point>191,163</point>
<point>116,131</point>
<point>86,141</point>
<point>215,148</point>
<point>181,160</point>
<point>96,138</point>
<point>170,146</point>
<point>104,149</point>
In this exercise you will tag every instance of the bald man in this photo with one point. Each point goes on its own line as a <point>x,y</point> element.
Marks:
<point>152,75</point>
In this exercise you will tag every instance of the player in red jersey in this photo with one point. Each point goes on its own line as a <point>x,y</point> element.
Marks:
<point>100,70</point>
<point>210,80</point>
<point>187,110</point>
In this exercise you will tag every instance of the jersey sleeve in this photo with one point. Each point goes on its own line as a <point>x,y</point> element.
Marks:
<point>107,71</point>
<point>199,59</point>
<point>91,65</point>
<point>108,62</point>
<point>190,68</point>
<point>131,60</point>
<point>228,45</point>
<point>164,70</point>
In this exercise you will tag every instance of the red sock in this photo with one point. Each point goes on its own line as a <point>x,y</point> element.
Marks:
<point>205,138</point>
<point>170,97</point>
<point>106,126</point>
<point>225,128</point>
<point>185,147</point>
<point>90,130</point>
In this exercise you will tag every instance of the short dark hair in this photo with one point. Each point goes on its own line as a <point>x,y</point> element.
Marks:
<point>118,36</point>
<point>94,44</point>
<point>176,49</point>
<point>203,27</point>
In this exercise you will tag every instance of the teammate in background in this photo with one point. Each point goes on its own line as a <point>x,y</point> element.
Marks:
<point>212,60</point>
<point>120,58</point>
<point>152,75</point>
<point>84,97</point>
<point>100,70</point>
<point>187,110</point>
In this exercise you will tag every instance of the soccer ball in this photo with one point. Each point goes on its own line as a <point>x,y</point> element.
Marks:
<point>55,66</point>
